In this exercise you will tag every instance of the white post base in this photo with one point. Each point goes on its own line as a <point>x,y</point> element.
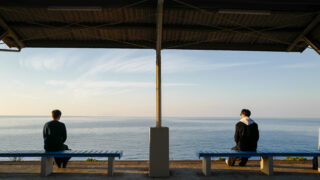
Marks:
<point>206,166</point>
<point>46,166</point>
<point>110,166</point>
<point>159,152</point>
<point>266,165</point>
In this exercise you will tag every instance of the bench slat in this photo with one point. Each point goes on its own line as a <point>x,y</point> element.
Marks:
<point>72,153</point>
<point>230,153</point>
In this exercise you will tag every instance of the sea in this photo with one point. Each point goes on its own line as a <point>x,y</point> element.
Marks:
<point>188,135</point>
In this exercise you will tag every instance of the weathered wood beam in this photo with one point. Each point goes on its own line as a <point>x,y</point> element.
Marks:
<point>3,35</point>
<point>308,29</point>
<point>313,44</point>
<point>11,33</point>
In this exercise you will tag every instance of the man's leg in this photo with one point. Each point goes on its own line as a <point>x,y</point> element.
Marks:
<point>65,160</point>
<point>243,161</point>
<point>58,161</point>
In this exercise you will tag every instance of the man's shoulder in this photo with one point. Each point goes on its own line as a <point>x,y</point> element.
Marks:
<point>240,124</point>
<point>54,122</point>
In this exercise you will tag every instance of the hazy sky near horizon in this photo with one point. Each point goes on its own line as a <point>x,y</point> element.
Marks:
<point>195,83</point>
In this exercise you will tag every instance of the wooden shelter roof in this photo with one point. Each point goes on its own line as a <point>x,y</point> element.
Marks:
<point>253,25</point>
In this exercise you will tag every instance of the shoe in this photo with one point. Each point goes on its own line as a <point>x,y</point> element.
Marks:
<point>64,165</point>
<point>228,162</point>
<point>58,165</point>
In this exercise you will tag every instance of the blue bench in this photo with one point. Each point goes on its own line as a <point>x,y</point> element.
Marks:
<point>47,157</point>
<point>266,163</point>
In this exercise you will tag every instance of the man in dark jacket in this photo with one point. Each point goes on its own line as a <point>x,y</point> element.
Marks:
<point>55,135</point>
<point>246,137</point>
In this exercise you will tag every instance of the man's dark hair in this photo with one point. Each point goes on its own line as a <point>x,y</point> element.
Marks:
<point>246,112</point>
<point>56,114</point>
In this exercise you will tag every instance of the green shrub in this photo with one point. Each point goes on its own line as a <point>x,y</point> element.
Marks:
<point>221,159</point>
<point>290,158</point>
<point>91,160</point>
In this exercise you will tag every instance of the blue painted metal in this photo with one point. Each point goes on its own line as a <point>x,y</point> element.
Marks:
<point>230,153</point>
<point>67,153</point>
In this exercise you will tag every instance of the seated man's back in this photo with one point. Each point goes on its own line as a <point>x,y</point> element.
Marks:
<point>54,133</point>
<point>246,135</point>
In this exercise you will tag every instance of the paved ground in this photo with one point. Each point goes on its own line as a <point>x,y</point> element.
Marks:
<point>284,170</point>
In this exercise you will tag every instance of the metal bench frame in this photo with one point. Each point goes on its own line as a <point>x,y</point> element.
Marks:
<point>266,162</point>
<point>48,157</point>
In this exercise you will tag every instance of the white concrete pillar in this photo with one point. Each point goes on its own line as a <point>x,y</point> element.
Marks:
<point>110,166</point>
<point>159,152</point>
<point>46,166</point>
<point>206,166</point>
<point>266,165</point>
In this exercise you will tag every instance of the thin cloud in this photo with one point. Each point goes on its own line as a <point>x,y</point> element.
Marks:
<point>86,89</point>
<point>299,66</point>
<point>172,63</point>
<point>110,84</point>
<point>45,62</point>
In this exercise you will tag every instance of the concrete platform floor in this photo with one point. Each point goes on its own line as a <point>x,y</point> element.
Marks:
<point>77,170</point>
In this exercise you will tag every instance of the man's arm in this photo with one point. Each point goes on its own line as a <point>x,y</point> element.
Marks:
<point>45,131</point>
<point>64,134</point>
<point>258,136</point>
<point>236,134</point>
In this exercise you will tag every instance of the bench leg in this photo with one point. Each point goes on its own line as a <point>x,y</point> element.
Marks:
<point>206,165</point>
<point>110,166</point>
<point>266,165</point>
<point>318,158</point>
<point>46,166</point>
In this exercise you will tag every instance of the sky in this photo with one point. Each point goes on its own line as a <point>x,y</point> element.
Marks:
<point>121,82</point>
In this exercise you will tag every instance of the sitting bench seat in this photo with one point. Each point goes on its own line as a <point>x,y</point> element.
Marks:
<point>266,163</point>
<point>47,157</point>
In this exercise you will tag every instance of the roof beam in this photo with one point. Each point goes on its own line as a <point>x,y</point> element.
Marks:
<point>88,44</point>
<point>308,29</point>
<point>202,28</point>
<point>229,46</point>
<point>11,33</point>
<point>311,42</point>
<point>281,5</point>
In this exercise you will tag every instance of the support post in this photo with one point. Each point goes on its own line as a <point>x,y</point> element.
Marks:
<point>158,61</point>
<point>312,44</point>
<point>11,33</point>
<point>206,166</point>
<point>110,166</point>
<point>46,166</point>
<point>3,35</point>
<point>159,136</point>
<point>308,29</point>
<point>266,165</point>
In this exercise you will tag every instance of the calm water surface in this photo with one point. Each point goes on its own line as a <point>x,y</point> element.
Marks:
<point>131,134</point>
